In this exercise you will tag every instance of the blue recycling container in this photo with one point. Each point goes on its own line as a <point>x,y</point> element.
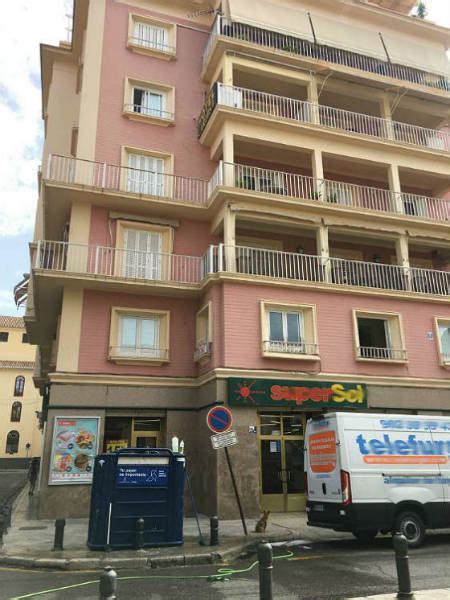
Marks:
<point>137,483</point>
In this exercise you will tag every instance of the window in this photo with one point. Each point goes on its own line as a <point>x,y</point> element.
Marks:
<point>289,330</point>
<point>139,336</point>
<point>203,333</point>
<point>16,411</point>
<point>443,334</point>
<point>12,442</point>
<point>379,337</point>
<point>19,385</point>
<point>4,335</point>
<point>152,36</point>
<point>25,338</point>
<point>149,102</point>
<point>145,175</point>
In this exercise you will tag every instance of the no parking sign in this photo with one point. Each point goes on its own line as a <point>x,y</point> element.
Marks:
<point>219,419</point>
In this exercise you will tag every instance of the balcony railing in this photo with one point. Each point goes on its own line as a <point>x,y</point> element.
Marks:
<point>117,263</point>
<point>324,116</point>
<point>338,193</point>
<point>151,44</point>
<point>374,353</point>
<point>296,46</point>
<point>103,176</point>
<point>101,261</point>
<point>337,271</point>
<point>148,111</point>
<point>283,347</point>
<point>202,350</point>
<point>140,352</point>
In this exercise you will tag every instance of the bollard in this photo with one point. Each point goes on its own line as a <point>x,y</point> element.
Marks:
<point>214,531</point>
<point>265,560</point>
<point>139,534</point>
<point>108,584</point>
<point>2,529</point>
<point>402,564</point>
<point>59,534</point>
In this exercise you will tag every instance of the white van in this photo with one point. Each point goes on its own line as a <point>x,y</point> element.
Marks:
<point>369,473</point>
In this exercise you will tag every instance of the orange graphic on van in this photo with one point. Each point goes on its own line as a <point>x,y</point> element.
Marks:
<point>376,459</point>
<point>322,452</point>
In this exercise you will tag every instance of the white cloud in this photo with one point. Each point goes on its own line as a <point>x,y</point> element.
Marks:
<point>7,305</point>
<point>20,105</point>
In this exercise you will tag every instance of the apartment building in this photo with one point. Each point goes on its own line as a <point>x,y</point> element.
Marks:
<point>20,401</point>
<point>240,204</point>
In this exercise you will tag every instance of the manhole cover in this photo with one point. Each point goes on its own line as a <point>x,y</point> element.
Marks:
<point>32,528</point>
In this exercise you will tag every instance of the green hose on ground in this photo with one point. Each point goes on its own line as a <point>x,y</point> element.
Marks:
<point>222,573</point>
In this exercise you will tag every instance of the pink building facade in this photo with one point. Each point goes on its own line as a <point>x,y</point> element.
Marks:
<point>220,222</point>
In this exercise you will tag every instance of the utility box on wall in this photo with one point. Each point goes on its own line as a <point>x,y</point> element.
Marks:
<point>132,484</point>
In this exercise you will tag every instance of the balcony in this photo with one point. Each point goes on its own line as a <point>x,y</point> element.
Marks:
<point>294,349</point>
<point>202,351</point>
<point>311,52</point>
<point>382,354</point>
<point>99,263</point>
<point>317,115</point>
<point>330,193</point>
<point>105,263</point>
<point>338,272</point>
<point>125,180</point>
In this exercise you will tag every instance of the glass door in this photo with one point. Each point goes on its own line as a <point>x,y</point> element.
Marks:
<point>281,438</point>
<point>146,433</point>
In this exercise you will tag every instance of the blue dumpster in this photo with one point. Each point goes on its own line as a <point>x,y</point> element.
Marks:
<point>137,483</point>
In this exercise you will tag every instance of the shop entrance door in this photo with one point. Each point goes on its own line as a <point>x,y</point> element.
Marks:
<point>145,433</point>
<point>281,438</point>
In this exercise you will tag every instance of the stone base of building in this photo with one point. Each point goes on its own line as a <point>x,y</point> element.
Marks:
<point>267,461</point>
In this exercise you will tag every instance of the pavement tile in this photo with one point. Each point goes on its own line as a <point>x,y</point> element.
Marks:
<point>167,561</point>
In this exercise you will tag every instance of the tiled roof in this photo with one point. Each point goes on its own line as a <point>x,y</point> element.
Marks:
<point>16,364</point>
<point>11,322</point>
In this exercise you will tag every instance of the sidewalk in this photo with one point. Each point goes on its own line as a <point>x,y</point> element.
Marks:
<point>29,542</point>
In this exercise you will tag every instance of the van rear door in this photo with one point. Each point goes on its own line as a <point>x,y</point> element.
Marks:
<point>322,460</point>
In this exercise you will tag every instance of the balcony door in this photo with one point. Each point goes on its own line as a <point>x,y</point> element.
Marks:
<point>142,258</point>
<point>145,175</point>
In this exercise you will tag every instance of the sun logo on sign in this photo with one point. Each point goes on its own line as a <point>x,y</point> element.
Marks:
<point>245,392</point>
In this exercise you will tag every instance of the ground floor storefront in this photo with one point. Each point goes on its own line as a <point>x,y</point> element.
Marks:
<point>269,417</point>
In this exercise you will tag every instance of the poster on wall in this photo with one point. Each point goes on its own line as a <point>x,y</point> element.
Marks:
<point>74,447</point>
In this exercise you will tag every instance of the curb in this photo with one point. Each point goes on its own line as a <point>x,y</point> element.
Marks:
<point>137,562</point>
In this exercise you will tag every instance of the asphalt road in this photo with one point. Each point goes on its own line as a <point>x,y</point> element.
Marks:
<point>9,480</point>
<point>327,571</point>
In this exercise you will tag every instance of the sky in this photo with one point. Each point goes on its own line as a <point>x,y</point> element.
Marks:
<point>21,125</point>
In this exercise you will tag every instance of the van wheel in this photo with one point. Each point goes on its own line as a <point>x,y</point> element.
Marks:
<point>365,535</point>
<point>412,527</point>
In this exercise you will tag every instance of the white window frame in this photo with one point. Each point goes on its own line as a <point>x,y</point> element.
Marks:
<point>142,264</point>
<point>306,347</point>
<point>150,182</point>
<point>148,111</point>
<point>203,344</point>
<point>439,324</point>
<point>139,350</point>
<point>157,37</point>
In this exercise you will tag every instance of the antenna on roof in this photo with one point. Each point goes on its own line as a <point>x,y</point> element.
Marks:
<point>207,11</point>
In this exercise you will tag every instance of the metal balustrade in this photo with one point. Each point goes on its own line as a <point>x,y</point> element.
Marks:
<point>338,271</point>
<point>117,263</point>
<point>104,176</point>
<point>320,115</point>
<point>283,347</point>
<point>132,352</point>
<point>148,111</point>
<point>297,46</point>
<point>202,350</point>
<point>374,353</point>
<point>149,44</point>
<point>294,185</point>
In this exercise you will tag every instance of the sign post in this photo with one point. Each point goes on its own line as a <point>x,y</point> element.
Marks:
<point>219,420</point>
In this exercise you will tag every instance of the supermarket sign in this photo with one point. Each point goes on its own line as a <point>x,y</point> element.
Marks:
<point>296,394</point>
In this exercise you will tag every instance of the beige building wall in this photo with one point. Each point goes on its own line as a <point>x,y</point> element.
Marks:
<point>17,360</point>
